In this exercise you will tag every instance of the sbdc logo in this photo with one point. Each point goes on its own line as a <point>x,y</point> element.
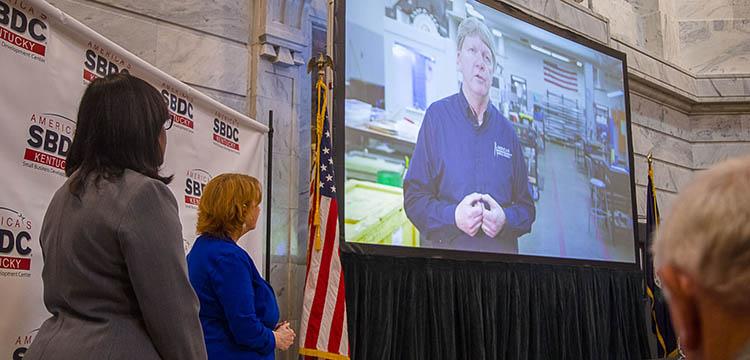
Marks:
<point>19,21</point>
<point>226,132</point>
<point>22,344</point>
<point>100,62</point>
<point>195,181</point>
<point>180,107</point>
<point>15,239</point>
<point>49,139</point>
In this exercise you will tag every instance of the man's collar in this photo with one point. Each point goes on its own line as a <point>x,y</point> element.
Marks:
<point>470,114</point>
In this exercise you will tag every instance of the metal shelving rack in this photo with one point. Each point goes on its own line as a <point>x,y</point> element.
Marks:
<point>563,122</point>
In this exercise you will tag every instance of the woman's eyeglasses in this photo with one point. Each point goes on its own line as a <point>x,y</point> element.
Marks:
<point>168,123</point>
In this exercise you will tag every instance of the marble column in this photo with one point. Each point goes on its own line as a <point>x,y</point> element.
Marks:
<point>280,43</point>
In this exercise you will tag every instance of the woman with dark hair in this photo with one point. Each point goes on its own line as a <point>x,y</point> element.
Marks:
<point>115,276</point>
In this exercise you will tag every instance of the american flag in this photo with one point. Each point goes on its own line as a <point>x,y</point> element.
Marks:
<point>554,74</point>
<point>323,332</point>
<point>667,345</point>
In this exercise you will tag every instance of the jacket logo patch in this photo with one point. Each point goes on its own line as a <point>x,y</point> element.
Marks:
<point>502,151</point>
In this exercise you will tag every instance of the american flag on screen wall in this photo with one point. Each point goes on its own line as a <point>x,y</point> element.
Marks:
<point>563,78</point>
<point>323,332</point>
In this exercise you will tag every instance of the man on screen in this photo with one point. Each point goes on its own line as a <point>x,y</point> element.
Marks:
<point>467,186</point>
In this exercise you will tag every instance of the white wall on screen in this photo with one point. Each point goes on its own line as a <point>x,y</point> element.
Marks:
<point>364,59</point>
<point>397,91</point>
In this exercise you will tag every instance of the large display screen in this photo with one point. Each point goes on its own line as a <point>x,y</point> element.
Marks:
<point>469,129</point>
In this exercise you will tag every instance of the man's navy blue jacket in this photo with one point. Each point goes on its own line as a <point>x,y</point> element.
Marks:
<point>454,157</point>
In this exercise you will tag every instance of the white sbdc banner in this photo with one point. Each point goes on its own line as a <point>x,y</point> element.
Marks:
<point>46,60</point>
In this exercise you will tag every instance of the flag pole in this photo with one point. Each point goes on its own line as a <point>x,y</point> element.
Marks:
<point>269,187</point>
<point>321,63</point>
<point>319,303</point>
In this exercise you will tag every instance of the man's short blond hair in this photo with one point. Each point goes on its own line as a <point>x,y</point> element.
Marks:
<point>474,27</point>
<point>707,233</point>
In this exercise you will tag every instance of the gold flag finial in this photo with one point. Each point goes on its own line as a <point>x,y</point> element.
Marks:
<point>321,63</point>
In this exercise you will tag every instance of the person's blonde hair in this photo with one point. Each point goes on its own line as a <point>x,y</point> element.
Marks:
<point>707,233</point>
<point>474,27</point>
<point>224,204</point>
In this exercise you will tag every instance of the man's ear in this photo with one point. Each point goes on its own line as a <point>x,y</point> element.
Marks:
<point>682,297</point>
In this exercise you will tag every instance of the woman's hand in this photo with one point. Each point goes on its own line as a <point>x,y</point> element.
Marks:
<point>284,336</point>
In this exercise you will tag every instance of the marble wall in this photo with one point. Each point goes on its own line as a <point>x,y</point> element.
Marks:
<point>568,15</point>
<point>641,23</point>
<point>200,43</point>
<point>664,132</point>
<point>714,9</point>
<point>703,37</point>
<point>631,22</point>
<point>715,46</point>
<point>707,37</point>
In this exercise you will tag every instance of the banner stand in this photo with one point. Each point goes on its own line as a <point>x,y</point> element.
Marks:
<point>47,60</point>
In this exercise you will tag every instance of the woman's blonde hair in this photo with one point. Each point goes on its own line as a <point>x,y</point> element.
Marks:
<point>224,204</point>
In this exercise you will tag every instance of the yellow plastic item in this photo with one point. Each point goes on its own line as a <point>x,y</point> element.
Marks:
<point>374,214</point>
<point>524,116</point>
